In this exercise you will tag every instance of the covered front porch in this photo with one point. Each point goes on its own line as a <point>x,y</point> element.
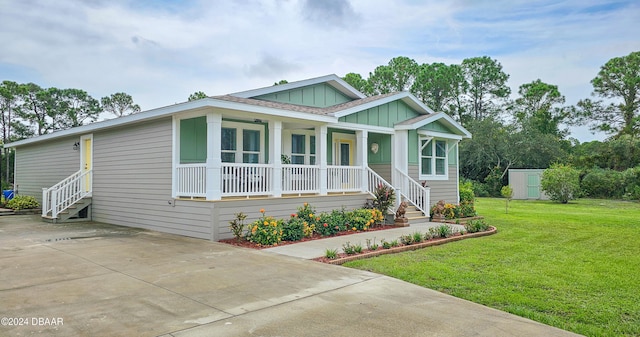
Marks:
<point>251,157</point>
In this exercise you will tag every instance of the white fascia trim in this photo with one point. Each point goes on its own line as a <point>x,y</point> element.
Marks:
<point>436,134</point>
<point>362,127</point>
<point>171,110</point>
<point>342,86</point>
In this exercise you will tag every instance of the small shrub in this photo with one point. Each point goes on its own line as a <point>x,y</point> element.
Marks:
<point>395,243</point>
<point>237,225</point>
<point>466,192</point>
<point>361,219</point>
<point>348,248</point>
<point>331,254</point>
<point>357,248</point>
<point>384,198</point>
<point>442,231</point>
<point>385,244</point>
<point>293,229</point>
<point>561,182</point>
<point>266,231</point>
<point>331,223</point>
<point>372,245</point>
<point>417,237</point>
<point>474,226</point>
<point>406,239</point>
<point>23,202</point>
<point>428,235</point>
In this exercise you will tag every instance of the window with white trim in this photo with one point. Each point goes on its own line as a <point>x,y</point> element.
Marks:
<point>433,158</point>
<point>241,143</point>
<point>303,149</point>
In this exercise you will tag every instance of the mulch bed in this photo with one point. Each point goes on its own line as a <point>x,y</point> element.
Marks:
<point>316,236</point>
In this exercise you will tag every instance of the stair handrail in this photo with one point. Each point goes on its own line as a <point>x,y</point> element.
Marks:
<point>417,194</point>
<point>67,192</point>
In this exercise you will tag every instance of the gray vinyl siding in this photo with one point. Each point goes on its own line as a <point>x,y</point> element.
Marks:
<point>44,164</point>
<point>383,170</point>
<point>280,208</point>
<point>446,190</point>
<point>132,182</point>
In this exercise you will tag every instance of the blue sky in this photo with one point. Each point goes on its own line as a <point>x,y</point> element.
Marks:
<point>161,51</point>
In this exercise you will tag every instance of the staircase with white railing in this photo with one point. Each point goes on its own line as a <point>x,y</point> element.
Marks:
<point>414,192</point>
<point>407,190</point>
<point>68,197</point>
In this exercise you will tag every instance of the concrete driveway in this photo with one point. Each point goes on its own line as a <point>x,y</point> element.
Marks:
<point>91,279</point>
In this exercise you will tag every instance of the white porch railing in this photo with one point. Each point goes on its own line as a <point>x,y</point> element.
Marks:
<point>376,180</point>
<point>344,178</point>
<point>300,179</point>
<point>414,192</point>
<point>191,180</point>
<point>246,179</point>
<point>60,196</point>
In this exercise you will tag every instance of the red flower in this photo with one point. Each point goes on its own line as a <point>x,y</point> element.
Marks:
<point>325,224</point>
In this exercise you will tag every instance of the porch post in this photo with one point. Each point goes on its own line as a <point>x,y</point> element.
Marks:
<point>214,156</point>
<point>401,161</point>
<point>275,151</point>
<point>321,157</point>
<point>361,158</point>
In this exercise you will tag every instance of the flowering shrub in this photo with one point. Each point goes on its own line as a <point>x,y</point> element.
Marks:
<point>451,211</point>
<point>266,231</point>
<point>362,219</point>
<point>331,223</point>
<point>293,229</point>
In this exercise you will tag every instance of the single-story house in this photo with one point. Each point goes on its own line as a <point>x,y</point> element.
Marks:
<point>526,184</point>
<point>187,168</point>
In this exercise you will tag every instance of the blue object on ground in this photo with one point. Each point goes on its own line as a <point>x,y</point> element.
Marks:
<point>8,194</point>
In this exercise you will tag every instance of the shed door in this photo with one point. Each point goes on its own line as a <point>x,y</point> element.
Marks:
<point>533,186</point>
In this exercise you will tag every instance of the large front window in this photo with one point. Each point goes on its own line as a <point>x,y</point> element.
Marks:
<point>433,158</point>
<point>303,149</point>
<point>241,143</point>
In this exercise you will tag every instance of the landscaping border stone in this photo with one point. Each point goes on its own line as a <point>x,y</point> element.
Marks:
<point>433,242</point>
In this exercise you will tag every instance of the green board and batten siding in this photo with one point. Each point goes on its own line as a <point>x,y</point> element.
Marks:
<point>385,115</point>
<point>319,96</point>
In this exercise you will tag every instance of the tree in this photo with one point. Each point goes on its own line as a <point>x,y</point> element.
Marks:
<point>438,85</point>
<point>8,106</point>
<point>359,83</point>
<point>199,95</point>
<point>619,81</point>
<point>120,104</point>
<point>34,107</point>
<point>537,108</point>
<point>398,75</point>
<point>487,85</point>
<point>75,108</point>
<point>561,182</point>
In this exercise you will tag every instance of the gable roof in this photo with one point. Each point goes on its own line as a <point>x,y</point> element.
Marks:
<point>332,80</point>
<point>417,122</point>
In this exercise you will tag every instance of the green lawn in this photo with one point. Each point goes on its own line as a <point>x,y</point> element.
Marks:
<point>574,266</point>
